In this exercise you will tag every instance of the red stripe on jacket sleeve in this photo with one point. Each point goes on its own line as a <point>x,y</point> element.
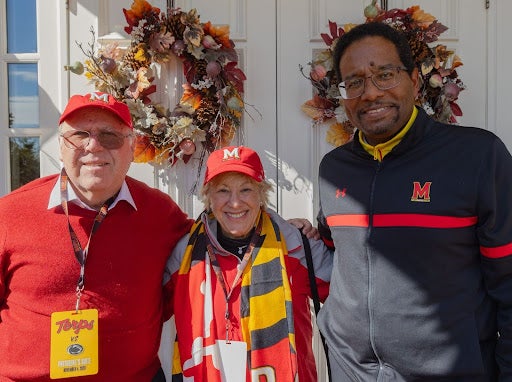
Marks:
<point>401,220</point>
<point>497,252</point>
<point>348,220</point>
<point>421,220</point>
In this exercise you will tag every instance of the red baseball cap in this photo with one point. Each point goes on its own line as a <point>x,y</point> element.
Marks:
<point>98,100</point>
<point>234,158</point>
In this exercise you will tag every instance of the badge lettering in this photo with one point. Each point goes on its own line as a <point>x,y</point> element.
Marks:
<point>74,325</point>
<point>74,343</point>
<point>421,193</point>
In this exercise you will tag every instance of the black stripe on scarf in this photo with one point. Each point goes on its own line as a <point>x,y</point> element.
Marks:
<point>263,338</point>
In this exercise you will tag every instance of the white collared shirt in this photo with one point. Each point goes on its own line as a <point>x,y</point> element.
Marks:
<point>124,194</point>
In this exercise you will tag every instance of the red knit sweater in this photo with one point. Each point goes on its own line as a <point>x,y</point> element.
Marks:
<point>123,279</point>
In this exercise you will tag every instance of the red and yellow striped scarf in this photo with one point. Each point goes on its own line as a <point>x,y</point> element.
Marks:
<point>266,318</point>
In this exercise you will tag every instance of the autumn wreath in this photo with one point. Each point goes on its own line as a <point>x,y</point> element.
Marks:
<point>439,82</point>
<point>210,109</point>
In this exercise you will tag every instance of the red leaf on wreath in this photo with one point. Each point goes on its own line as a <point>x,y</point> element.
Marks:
<point>235,75</point>
<point>144,95</point>
<point>433,31</point>
<point>335,33</point>
<point>456,110</point>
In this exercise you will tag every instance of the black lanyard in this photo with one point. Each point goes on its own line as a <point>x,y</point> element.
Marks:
<point>80,254</point>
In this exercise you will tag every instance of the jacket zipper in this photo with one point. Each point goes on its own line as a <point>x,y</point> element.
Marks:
<point>370,296</point>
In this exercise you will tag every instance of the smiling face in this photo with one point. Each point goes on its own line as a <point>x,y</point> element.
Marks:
<point>235,200</point>
<point>379,114</point>
<point>94,172</point>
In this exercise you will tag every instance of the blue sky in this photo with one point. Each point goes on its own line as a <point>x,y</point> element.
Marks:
<point>23,80</point>
<point>21,26</point>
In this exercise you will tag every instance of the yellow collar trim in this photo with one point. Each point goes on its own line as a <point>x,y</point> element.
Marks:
<point>382,149</point>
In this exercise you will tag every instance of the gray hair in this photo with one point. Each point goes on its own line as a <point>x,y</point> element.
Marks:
<point>264,188</point>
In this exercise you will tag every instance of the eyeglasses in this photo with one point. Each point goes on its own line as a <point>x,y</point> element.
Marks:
<point>79,139</point>
<point>383,79</point>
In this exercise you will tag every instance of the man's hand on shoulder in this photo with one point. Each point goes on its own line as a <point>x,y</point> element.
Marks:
<point>305,226</point>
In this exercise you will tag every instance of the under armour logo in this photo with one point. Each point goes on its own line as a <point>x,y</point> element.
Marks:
<point>341,193</point>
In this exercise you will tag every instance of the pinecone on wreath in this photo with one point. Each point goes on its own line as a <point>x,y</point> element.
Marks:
<point>175,26</point>
<point>420,50</point>
<point>136,57</point>
<point>206,113</point>
<point>199,68</point>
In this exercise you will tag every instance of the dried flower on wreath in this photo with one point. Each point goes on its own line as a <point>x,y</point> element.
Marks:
<point>439,82</point>
<point>211,107</point>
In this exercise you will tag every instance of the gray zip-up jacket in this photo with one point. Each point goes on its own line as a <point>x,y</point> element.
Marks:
<point>421,288</point>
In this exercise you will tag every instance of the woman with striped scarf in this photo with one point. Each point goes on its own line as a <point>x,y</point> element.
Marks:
<point>240,282</point>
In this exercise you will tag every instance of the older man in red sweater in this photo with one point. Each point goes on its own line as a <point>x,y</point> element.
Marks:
<point>82,254</point>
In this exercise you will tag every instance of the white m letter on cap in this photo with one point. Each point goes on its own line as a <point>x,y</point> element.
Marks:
<point>231,154</point>
<point>101,97</point>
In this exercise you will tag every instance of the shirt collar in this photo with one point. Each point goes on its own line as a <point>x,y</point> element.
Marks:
<point>124,194</point>
<point>382,149</point>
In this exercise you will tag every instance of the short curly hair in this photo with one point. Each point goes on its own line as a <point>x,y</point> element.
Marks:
<point>374,29</point>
